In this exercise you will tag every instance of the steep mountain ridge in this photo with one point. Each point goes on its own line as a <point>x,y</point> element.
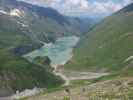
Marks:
<point>107,46</point>
<point>42,22</point>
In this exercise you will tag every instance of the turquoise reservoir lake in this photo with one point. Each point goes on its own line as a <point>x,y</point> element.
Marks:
<point>59,52</point>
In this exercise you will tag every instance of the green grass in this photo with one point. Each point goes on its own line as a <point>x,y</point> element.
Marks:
<point>66,98</point>
<point>21,74</point>
<point>105,47</point>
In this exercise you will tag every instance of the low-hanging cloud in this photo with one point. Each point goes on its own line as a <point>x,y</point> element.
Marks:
<point>82,7</point>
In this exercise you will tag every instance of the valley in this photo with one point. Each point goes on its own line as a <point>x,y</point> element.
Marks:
<point>106,49</point>
<point>47,55</point>
<point>59,53</point>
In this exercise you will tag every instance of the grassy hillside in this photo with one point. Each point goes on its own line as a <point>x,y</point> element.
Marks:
<point>17,74</point>
<point>107,46</point>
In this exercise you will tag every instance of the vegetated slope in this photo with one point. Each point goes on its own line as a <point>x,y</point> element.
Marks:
<point>108,45</point>
<point>18,74</point>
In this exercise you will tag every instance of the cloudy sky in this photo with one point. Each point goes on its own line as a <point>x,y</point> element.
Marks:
<point>83,7</point>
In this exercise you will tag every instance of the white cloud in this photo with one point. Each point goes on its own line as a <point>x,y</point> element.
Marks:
<point>82,7</point>
<point>105,7</point>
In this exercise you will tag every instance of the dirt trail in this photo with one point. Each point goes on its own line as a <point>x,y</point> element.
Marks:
<point>67,81</point>
<point>83,75</point>
<point>68,76</point>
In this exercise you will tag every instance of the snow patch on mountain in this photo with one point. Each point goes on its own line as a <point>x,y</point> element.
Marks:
<point>3,12</point>
<point>16,12</point>
<point>13,12</point>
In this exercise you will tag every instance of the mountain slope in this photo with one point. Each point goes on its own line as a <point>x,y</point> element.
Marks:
<point>40,23</point>
<point>18,74</point>
<point>108,47</point>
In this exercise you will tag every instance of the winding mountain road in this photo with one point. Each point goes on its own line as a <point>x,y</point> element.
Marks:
<point>73,75</point>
